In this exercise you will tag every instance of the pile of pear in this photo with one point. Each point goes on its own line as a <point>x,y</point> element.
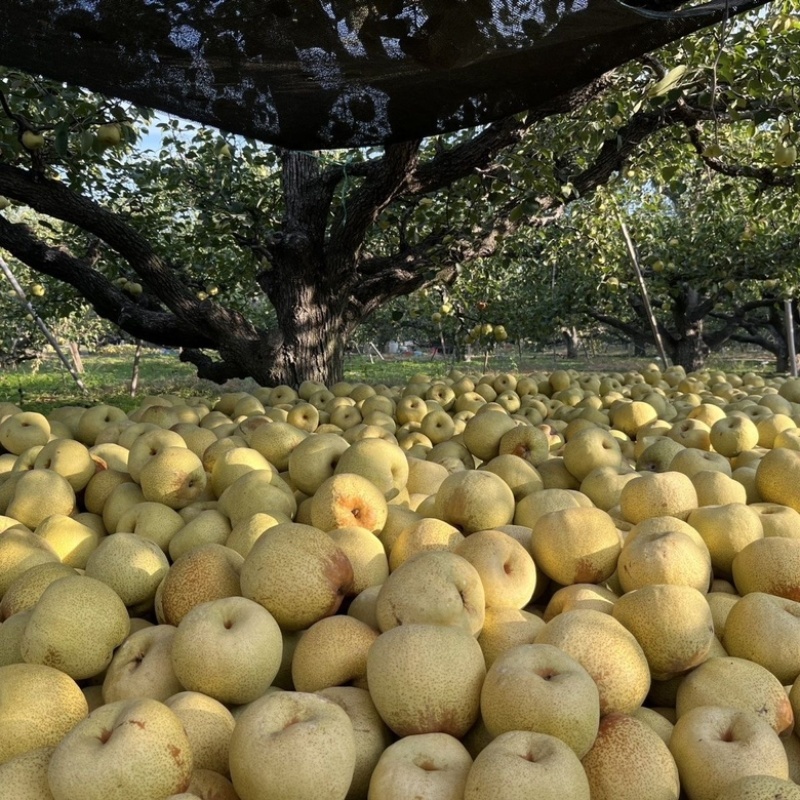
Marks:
<point>556,586</point>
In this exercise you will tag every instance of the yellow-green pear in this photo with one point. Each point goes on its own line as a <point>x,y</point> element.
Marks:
<point>372,736</point>
<point>94,419</point>
<point>522,764</point>
<point>673,625</point>
<point>25,591</point>
<point>474,500</point>
<point>314,460</point>
<point>242,648</point>
<point>276,441</point>
<point>245,533</point>
<point>736,683</point>
<point>208,527</point>
<point>133,749</point>
<point>11,631</point>
<point>538,687</point>
<point>715,745</point>
<point>38,494</point>
<point>123,496</point>
<point>142,666</point>
<point>297,573</point>
<point>504,628</point>
<point>75,627</point>
<point>506,570</point>
<point>426,679</point>
<point>153,521</point>
<point>24,777</point>
<point>421,536</point>
<point>132,566</point>
<point>770,565</point>
<point>580,595</point>
<point>436,587</point>
<point>71,539</point>
<point>765,629</point>
<point>609,653</point>
<point>68,458</point>
<point>23,430</point>
<point>38,706</point>
<point>208,725</point>
<point>366,554</point>
<point>430,765</point>
<point>232,464</point>
<point>174,477</point>
<point>292,744</point>
<point>576,545</point>
<point>332,652</point>
<point>256,492</point>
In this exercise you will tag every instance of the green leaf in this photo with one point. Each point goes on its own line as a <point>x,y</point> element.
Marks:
<point>669,81</point>
<point>669,172</point>
<point>61,140</point>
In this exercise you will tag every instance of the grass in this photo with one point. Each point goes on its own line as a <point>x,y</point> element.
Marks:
<point>40,386</point>
<point>43,385</point>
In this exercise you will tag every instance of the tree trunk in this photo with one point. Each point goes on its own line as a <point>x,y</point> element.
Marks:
<point>312,337</point>
<point>572,341</point>
<point>689,349</point>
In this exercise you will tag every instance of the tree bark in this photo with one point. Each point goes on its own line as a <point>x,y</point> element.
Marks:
<point>688,348</point>
<point>572,341</point>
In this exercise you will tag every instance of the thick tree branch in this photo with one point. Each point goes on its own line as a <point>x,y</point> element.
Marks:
<point>764,175</point>
<point>770,345</point>
<point>53,199</point>
<point>630,330</point>
<point>480,151</point>
<point>361,208</point>
<point>109,302</point>
<point>210,369</point>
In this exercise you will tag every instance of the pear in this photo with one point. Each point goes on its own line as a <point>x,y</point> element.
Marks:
<point>332,652</point>
<point>38,706</point>
<point>135,749</point>
<point>242,646</point>
<point>372,736</point>
<point>208,725</point>
<point>426,679</point>
<point>75,627</point>
<point>630,761</point>
<point>430,765</point>
<point>540,688</point>
<point>521,764</point>
<point>292,744</point>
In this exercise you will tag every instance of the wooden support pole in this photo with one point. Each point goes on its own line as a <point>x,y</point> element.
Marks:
<point>788,317</point>
<point>41,325</point>
<point>645,295</point>
<point>137,361</point>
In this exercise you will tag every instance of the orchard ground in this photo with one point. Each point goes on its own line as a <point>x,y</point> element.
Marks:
<point>44,384</point>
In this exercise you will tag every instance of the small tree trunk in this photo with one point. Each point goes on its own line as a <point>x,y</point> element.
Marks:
<point>690,350</point>
<point>77,361</point>
<point>137,360</point>
<point>572,341</point>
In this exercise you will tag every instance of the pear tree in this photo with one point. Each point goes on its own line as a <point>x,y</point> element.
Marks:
<point>260,261</point>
